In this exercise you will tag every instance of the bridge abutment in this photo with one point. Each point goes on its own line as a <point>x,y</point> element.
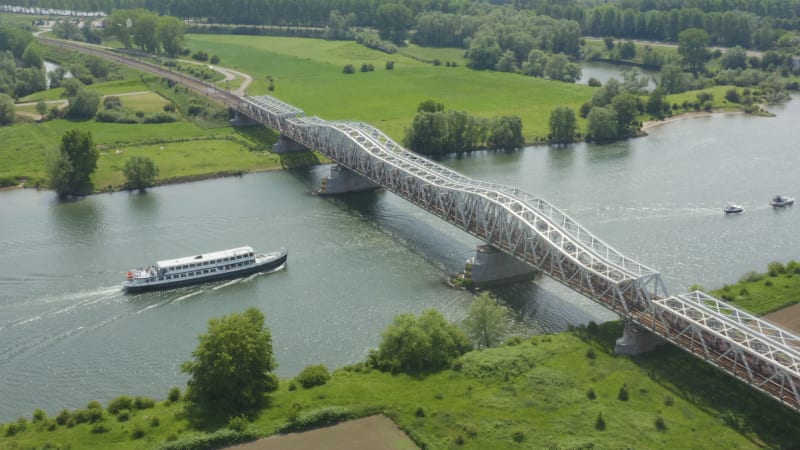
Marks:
<point>491,266</point>
<point>286,145</point>
<point>635,340</point>
<point>343,181</point>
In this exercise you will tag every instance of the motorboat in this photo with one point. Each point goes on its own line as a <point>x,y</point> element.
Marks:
<point>733,208</point>
<point>781,200</point>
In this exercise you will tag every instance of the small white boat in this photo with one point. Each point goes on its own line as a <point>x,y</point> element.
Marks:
<point>232,263</point>
<point>733,208</point>
<point>781,200</point>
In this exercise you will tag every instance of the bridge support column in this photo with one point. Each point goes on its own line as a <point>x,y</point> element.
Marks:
<point>635,340</point>
<point>491,266</point>
<point>343,181</point>
<point>240,120</point>
<point>286,145</point>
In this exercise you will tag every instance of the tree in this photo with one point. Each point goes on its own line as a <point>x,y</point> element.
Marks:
<point>506,133</point>
<point>33,56</point>
<point>692,49</point>
<point>655,103</point>
<point>41,108</point>
<point>483,52</point>
<point>735,58</point>
<point>144,32</point>
<point>415,345</point>
<point>486,320</point>
<point>71,170</point>
<point>430,106</point>
<point>534,67</point>
<point>563,125</point>
<point>120,25</point>
<point>393,22</point>
<point>559,68</point>
<point>30,80</point>
<point>673,80</point>
<point>602,124</point>
<point>170,31</point>
<point>627,50</point>
<point>140,172</point>
<point>232,366</point>
<point>624,106</point>
<point>7,110</point>
<point>84,104</point>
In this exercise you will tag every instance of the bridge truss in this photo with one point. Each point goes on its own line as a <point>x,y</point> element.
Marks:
<point>534,231</point>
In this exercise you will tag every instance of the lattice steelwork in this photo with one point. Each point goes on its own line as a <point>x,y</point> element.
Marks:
<point>536,232</point>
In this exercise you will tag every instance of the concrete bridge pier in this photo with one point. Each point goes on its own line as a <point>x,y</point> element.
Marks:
<point>491,266</point>
<point>240,120</point>
<point>635,340</point>
<point>286,145</point>
<point>343,181</point>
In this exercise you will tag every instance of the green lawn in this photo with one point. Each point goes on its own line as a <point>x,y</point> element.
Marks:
<point>115,87</point>
<point>149,102</point>
<point>530,395</point>
<point>763,293</point>
<point>308,74</point>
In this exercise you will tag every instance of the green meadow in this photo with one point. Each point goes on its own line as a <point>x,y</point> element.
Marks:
<point>308,74</point>
<point>544,392</point>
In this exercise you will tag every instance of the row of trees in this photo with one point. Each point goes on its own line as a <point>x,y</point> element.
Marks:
<point>435,131</point>
<point>18,46</point>
<point>147,31</point>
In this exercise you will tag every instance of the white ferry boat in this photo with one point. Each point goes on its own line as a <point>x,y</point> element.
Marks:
<point>232,263</point>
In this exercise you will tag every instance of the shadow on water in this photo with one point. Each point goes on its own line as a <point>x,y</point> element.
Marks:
<point>76,220</point>
<point>144,203</point>
<point>600,153</point>
<point>561,156</point>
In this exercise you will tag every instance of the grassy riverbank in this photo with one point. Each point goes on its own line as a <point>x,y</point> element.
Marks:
<point>546,392</point>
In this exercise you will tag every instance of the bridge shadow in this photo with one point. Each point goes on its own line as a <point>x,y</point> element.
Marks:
<point>757,417</point>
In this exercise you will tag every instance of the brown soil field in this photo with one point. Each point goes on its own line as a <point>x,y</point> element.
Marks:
<point>374,433</point>
<point>788,318</point>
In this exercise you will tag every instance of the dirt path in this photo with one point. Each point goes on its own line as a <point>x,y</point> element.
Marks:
<point>373,433</point>
<point>230,75</point>
<point>788,318</point>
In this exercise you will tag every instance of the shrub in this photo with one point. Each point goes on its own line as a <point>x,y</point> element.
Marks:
<point>155,421</point>
<point>174,395</point>
<point>112,102</point>
<point>594,82</point>
<point>99,428</point>
<point>39,415</point>
<point>365,67</point>
<point>123,415</point>
<point>600,423</point>
<point>591,354</point>
<point>774,268</point>
<point>170,107</point>
<point>590,394</point>
<point>732,95</point>
<point>348,69</point>
<point>160,117</point>
<point>120,403</point>
<point>328,415</point>
<point>214,59</point>
<point>420,412</point>
<point>238,423</point>
<point>389,65</point>
<point>660,424</point>
<point>137,432</point>
<point>518,436</point>
<point>437,62</point>
<point>314,375</point>
<point>144,402</point>
<point>751,276</point>
<point>63,417</point>
<point>623,393</point>
<point>668,400</point>
<point>200,55</point>
<point>218,439</point>
<point>768,283</point>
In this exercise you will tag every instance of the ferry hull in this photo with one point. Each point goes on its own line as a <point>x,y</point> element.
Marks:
<point>267,265</point>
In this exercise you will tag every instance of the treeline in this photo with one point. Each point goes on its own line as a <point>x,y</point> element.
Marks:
<point>436,131</point>
<point>21,63</point>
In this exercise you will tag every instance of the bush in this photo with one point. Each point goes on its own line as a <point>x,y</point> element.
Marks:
<point>389,65</point>
<point>292,386</point>
<point>420,412</point>
<point>99,428</point>
<point>600,423</point>
<point>112,102</point>
<point>137,432</point>
<point>774,268</point>
<point>591,354</point>
<point>200,55</point>
<point>594,82</point>
<point>314,375</point>
<point>160,117</point>
<point>732,95</point>
<point>518,436</point>
<point>768,283</point>
<point>155,421</point>
<point>174,395</point>
<point>623,393</point>
<point>39,415</point>
<point>218,439</point>
<point>328,415</point>
<point>590,394</point>
<point>63,417</point>
<point>660,424</point>
<point>238,423</point>
<point>348,69</point>
<point>144,402</point>
<point>123,415</point>
<point>214,59</point>
<point>669,401</point>
<point>120,403</point>
<point>170,108</point>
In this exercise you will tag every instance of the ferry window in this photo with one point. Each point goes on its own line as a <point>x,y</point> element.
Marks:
<point>205,271</point>
<point>160,278</point>
<point>213,270</point>
<point>169,277</point>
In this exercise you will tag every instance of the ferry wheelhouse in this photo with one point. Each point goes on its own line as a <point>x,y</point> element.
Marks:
<point>231,263</point>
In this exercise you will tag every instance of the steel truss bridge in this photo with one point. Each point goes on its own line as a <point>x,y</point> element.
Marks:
<point>756,352</point>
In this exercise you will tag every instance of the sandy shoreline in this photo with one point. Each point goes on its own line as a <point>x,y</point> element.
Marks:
<point>656,123</point>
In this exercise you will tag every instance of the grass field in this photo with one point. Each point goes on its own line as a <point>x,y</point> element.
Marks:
<point>106,88</point>
<point>763,293</point>
<point>535,394</point>
<point>308,74</point>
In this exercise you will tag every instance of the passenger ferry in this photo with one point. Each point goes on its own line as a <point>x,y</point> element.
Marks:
<point>232,263</point>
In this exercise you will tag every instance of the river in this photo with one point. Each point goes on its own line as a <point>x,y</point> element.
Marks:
<point>68,335</point>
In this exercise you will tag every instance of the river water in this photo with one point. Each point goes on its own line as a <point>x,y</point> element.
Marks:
<point>68,334</point>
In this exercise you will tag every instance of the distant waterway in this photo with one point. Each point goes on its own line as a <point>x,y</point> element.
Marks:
<point>68,335</point>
